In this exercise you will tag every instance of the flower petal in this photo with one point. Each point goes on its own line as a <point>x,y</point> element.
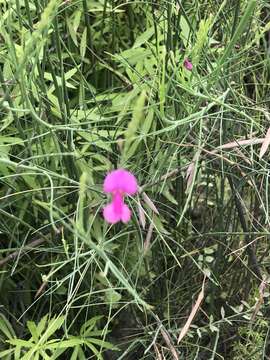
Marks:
<point>110,215</point>
<point>188,64</point>
<point>120,180</point>
<point>126,214</point>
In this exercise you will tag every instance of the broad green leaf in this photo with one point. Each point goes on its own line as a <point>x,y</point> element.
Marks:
<point>94,350</point>
<point>74,355</point>
<point>42,324</point>
<point>132,56</point>
<point>53,325</point>
<point>33,330</point>
<point>81,355</point>
<point>133,126</point>
<point>32,355</point>
<point>77,19</point>
<point>30,180</point>
<point>21,343</point>
<point>95,140</point>
<point>101,343</point>
<point>73,25</point>
<point>48,76</point>
<point>17,353</point>
<point>65,343</point>
<point>10,140</point>
<point>144,37</point>
<point>96,333</point>
<point>69,74</point>
<point>185,30</point>
<point>202,36</point>
<point>147,123</point>
<point>43,354</point>
<point>72,31</point>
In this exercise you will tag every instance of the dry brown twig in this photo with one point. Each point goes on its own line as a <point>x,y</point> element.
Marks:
<point>158,354</point>
<point>260,300</point>
<point>167,339</point>
<point>193,313</point>
<point>148,238</point>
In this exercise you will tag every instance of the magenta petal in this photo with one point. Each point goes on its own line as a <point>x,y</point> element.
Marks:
<point>120,180</point>
<point>119,183</point>
<point>110,215</point>
<point>126,214</point>
<point>188,64</point>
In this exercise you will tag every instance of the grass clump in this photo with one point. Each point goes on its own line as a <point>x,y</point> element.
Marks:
<point>90,86</point>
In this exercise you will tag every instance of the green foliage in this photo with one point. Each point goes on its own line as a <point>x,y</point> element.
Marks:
<point>41,345</point>
<point>252,344</point>
<point>88,86</point>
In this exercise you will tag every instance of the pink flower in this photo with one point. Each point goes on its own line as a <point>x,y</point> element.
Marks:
<point>188,64</point>
<point>119,183</point>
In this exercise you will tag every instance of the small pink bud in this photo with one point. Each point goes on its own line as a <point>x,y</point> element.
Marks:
<point>188,64</point>
<point>119,183</point>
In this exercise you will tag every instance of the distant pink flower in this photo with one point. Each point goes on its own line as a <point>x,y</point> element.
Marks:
<point>119,183</point>
<point>188,64</point>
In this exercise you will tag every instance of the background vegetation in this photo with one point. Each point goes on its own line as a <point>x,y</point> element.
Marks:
<point>89,86</point>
